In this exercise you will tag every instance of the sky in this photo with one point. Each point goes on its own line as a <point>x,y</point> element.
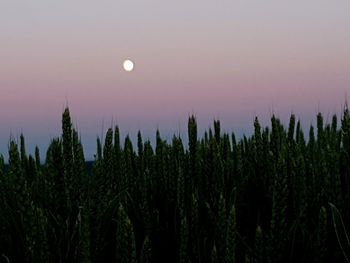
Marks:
<point>228,60</point>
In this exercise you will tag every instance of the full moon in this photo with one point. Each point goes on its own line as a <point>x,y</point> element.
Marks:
<point>128,65</point>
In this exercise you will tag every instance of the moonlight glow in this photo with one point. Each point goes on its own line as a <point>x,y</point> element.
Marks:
<point>128,65</point>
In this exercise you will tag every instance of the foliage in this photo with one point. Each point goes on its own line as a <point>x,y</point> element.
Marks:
<point>270,197</point>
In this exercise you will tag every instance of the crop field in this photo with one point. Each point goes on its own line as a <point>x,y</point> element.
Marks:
<point>272,197</point>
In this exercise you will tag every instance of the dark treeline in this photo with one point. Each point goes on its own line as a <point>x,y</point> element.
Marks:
<point>272,197</point>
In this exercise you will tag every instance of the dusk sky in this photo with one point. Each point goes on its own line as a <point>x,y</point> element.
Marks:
<point>230,60</point>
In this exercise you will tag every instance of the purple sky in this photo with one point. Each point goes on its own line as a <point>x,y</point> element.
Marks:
<point>218,59</point>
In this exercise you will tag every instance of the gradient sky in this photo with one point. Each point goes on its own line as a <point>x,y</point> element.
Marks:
<point>218,59</point>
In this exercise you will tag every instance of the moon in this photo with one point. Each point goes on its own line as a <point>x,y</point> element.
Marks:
<point>128,65</point>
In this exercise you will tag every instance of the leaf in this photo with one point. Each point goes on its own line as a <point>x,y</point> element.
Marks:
<point>6,258</point>
<point>340,231</point>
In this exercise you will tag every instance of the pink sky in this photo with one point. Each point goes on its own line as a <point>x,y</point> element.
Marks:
<point>228,59</point>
